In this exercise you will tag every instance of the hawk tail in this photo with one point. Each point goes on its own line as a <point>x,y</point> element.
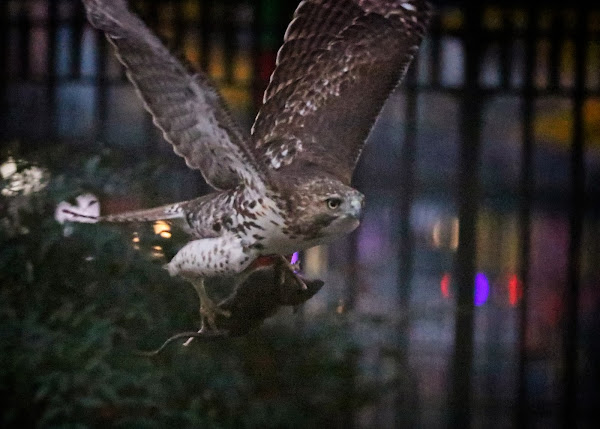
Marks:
<point>172,211</point>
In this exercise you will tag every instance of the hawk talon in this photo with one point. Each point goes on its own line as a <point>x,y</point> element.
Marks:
<point>302,284</point>
<point>208,309</point>
<point>209,312</point>
<point>294,268</point>
<point>207,317</point>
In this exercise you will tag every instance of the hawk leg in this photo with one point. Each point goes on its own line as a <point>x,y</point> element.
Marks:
<point>208,309</point>
<point>210,257</point>
<point>293,269</point>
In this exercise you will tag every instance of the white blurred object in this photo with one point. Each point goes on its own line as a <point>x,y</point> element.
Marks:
<point>26,182</point>
<point>87,210</point>
<point>8,168</point>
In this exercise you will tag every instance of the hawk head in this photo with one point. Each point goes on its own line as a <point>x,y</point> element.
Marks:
<point>324,207</point>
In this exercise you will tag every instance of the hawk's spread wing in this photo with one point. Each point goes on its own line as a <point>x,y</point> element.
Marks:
<point>339,62</point>
<point>188,109</point>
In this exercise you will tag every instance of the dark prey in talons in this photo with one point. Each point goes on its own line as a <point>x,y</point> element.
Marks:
<point>263,293</point>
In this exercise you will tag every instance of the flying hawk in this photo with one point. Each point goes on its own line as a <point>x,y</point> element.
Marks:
<point>285,186</point>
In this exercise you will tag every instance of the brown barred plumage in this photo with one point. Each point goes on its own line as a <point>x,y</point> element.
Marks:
<point>286,185</point>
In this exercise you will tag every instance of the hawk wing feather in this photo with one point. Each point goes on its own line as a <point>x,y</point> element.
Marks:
<point>339,62</point>
<point>187,108</point>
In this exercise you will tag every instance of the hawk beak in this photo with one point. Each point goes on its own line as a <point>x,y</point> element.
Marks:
<point>356,206</point>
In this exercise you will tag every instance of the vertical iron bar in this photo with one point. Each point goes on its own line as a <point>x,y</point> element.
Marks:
<point>505,51</point>
<point>556,34</point>
<point>153,140</point>
<point>51,67</point>
<point>460,397</point>
<point>4,34</point>
<point>348,417</point>
<point>101,87</point>
<point>231,28</point>
<point>152,17</point>
<point>204,27</point>
<point>435,57</point>
<point>257,30</point>
<point>77,24</point>
<point>525,202</point>
<point>406,414</point>
<point>205,32</point>
<point>25,28</point>
<point>179,28</point>
<point>569,417</point>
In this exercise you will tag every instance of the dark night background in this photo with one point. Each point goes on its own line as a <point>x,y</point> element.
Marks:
<point>469,296</point>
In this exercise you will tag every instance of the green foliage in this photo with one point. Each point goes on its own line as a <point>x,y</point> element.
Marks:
<point>76,301</point>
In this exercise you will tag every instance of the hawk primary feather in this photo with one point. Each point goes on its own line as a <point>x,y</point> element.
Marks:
<point>338,64</point>
<point>285,186</point>
<point>187,108</point>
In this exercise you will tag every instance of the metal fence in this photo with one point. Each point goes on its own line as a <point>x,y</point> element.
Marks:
<point>489,65</point>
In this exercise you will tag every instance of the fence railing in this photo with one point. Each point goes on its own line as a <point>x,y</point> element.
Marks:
<point>472,55</point>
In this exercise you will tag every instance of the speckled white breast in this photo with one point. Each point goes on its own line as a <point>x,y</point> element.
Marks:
<point>269,230</point>
<point>211,257</point>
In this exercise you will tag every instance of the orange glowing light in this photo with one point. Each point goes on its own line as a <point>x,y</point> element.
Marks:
<point>515,291</point>
<point>162,228</point>
<point>445,285</point>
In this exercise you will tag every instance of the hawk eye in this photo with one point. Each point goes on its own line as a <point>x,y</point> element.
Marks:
<point>333,203</point>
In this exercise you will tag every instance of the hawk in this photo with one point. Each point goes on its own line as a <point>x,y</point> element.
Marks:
<point>285,185</point>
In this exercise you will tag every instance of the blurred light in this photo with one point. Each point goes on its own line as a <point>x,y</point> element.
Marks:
<point>136,241</point>
<point>340,308</point>
<point>437,232</point>
<point>243,67</point>
<point>482,289</point>
<point>295,258</point>
<point>28,181</point>
<point>162,228</point>
<point>452,19</point>
<point>455,233</point>
<point>446,233</point>
<point>315,261</point>
<point>157,252</point>
<point>493,18</point>
<point>295,262</point>
<point>8,168</point>
<point>445,285</point>
<point>515,292</point>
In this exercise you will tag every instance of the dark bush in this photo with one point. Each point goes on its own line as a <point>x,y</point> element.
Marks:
<point>77,301</point>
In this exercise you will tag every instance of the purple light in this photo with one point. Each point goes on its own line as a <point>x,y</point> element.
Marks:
<point>295,258</point>
<point>482,289</point>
